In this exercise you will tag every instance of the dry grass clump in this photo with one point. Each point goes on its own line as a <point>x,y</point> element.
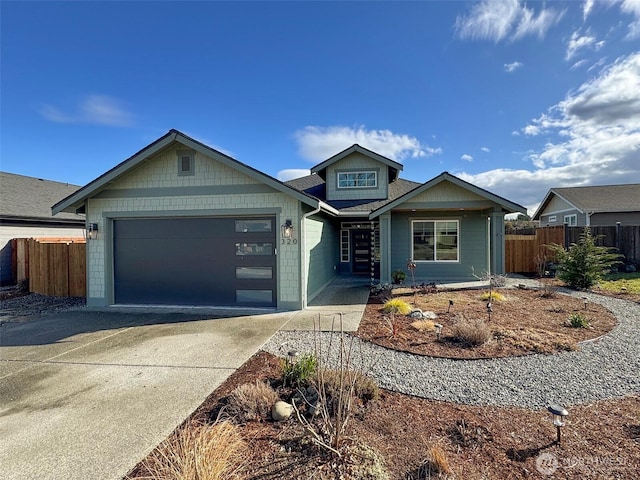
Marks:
<point>200,452</point>
<point>251,402</point>
<point>424,325</point>
<point>472,332</point>
<point>396,305</point>
<point>436,465</point>
<point>364,387</point>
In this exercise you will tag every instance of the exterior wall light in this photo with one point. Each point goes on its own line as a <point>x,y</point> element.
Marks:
<point>91,232</point>
<point>287,229</point>
<point>558,413</point>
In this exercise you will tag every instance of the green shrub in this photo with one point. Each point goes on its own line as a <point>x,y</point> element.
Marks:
<point>299,371</point>
<point>396,305</point>
<point>398,276</point>
<point>584,264</point>
<point>577,320</point>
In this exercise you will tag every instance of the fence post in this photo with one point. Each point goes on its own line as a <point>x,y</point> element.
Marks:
<point>618,236</point>
<point>566,236</point>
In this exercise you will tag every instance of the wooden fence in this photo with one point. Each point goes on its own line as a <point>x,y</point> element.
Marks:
<point>523,251</point>
<point>53,266</point>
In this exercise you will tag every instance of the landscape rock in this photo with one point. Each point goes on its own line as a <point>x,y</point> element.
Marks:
<point>281,411</point>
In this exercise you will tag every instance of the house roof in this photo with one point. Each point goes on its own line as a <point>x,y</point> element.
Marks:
<point>508,206</point>
<point>394,167</point>
<point>25,198</point>
<point>596,199</point>
<point>316,186</point>
<point>76,201</point>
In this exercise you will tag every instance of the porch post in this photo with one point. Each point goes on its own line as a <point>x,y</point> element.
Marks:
<point>385,248</point>
<point>497,242</point>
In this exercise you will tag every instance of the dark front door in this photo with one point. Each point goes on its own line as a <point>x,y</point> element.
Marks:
<point>361,253</point>
<point>195,261</point>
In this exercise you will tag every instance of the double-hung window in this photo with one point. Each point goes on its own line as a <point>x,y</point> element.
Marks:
<point>571,220</point>
<point>435,240</point>
<point>357,179</point>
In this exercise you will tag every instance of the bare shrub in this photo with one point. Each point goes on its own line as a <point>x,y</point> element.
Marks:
<point>472,332</point>
<point>203,452</point>
<point>251,402</point>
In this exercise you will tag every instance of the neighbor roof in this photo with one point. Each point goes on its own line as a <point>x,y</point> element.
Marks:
<point>25,198</point>
<point>77,200</point>
<point>596,199</point>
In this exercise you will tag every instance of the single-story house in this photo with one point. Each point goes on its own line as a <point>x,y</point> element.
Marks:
<point>25,212</point>
<point>180,223</point>
<point>603,205</point>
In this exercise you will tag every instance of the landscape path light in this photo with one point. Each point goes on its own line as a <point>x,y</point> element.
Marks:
<point>438,330</point>
<point>558,413</point>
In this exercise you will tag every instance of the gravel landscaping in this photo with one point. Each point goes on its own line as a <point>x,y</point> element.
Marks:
<point>604,368</point>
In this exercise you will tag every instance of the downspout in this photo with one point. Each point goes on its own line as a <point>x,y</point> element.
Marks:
<point>303,250</point>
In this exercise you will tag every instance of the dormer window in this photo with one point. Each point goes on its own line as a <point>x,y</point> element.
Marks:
<point>186,160</point>
<point>364,179</point>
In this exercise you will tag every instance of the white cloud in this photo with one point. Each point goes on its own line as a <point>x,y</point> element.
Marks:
<point>92,109</point>
<point>594,139</point>
<point>513,66</point>
<point>577,42</point>
<point>466,157</point>
<point>586,8</point>
<point>485,149</point>
<point>499,20</point>
<point>291,173</point>
<point>319,143</point>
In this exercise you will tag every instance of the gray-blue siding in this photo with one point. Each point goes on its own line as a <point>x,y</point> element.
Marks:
<point>473,248</point>
<point>322,252</point>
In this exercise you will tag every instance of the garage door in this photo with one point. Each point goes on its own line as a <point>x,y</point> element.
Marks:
<point>195,261</point>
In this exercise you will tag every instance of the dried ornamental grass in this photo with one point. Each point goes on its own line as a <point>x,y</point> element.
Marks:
<point>473,332</point>
<point>201,452</point>
<point>251,402</point>
<point>424,325</point>
<point>493,297</point>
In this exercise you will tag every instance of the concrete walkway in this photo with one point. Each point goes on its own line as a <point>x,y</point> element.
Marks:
<point>87,394</point>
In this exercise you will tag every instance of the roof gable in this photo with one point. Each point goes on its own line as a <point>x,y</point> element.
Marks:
<point>394,167</point>
<point>429,191</point>
<point>76,201</point>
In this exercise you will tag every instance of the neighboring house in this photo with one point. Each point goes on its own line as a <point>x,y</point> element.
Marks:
<point>180,223</point>
<point>589,206</point>
<point>25,212</point>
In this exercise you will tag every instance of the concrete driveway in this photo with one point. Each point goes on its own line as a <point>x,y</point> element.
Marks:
<point>87,393</point>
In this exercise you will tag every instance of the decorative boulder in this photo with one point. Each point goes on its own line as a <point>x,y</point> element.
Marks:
<point>429,315</point>
<point>416,314</point>
<point>281,411</point>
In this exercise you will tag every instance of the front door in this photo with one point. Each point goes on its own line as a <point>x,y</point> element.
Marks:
<point>361,253</point>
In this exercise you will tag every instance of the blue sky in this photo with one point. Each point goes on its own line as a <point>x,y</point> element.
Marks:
<point>515,97</point>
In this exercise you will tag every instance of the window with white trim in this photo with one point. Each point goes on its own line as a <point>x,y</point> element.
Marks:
<point>571,220</point>
<point>435,240</point>
<point>368,179</point>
